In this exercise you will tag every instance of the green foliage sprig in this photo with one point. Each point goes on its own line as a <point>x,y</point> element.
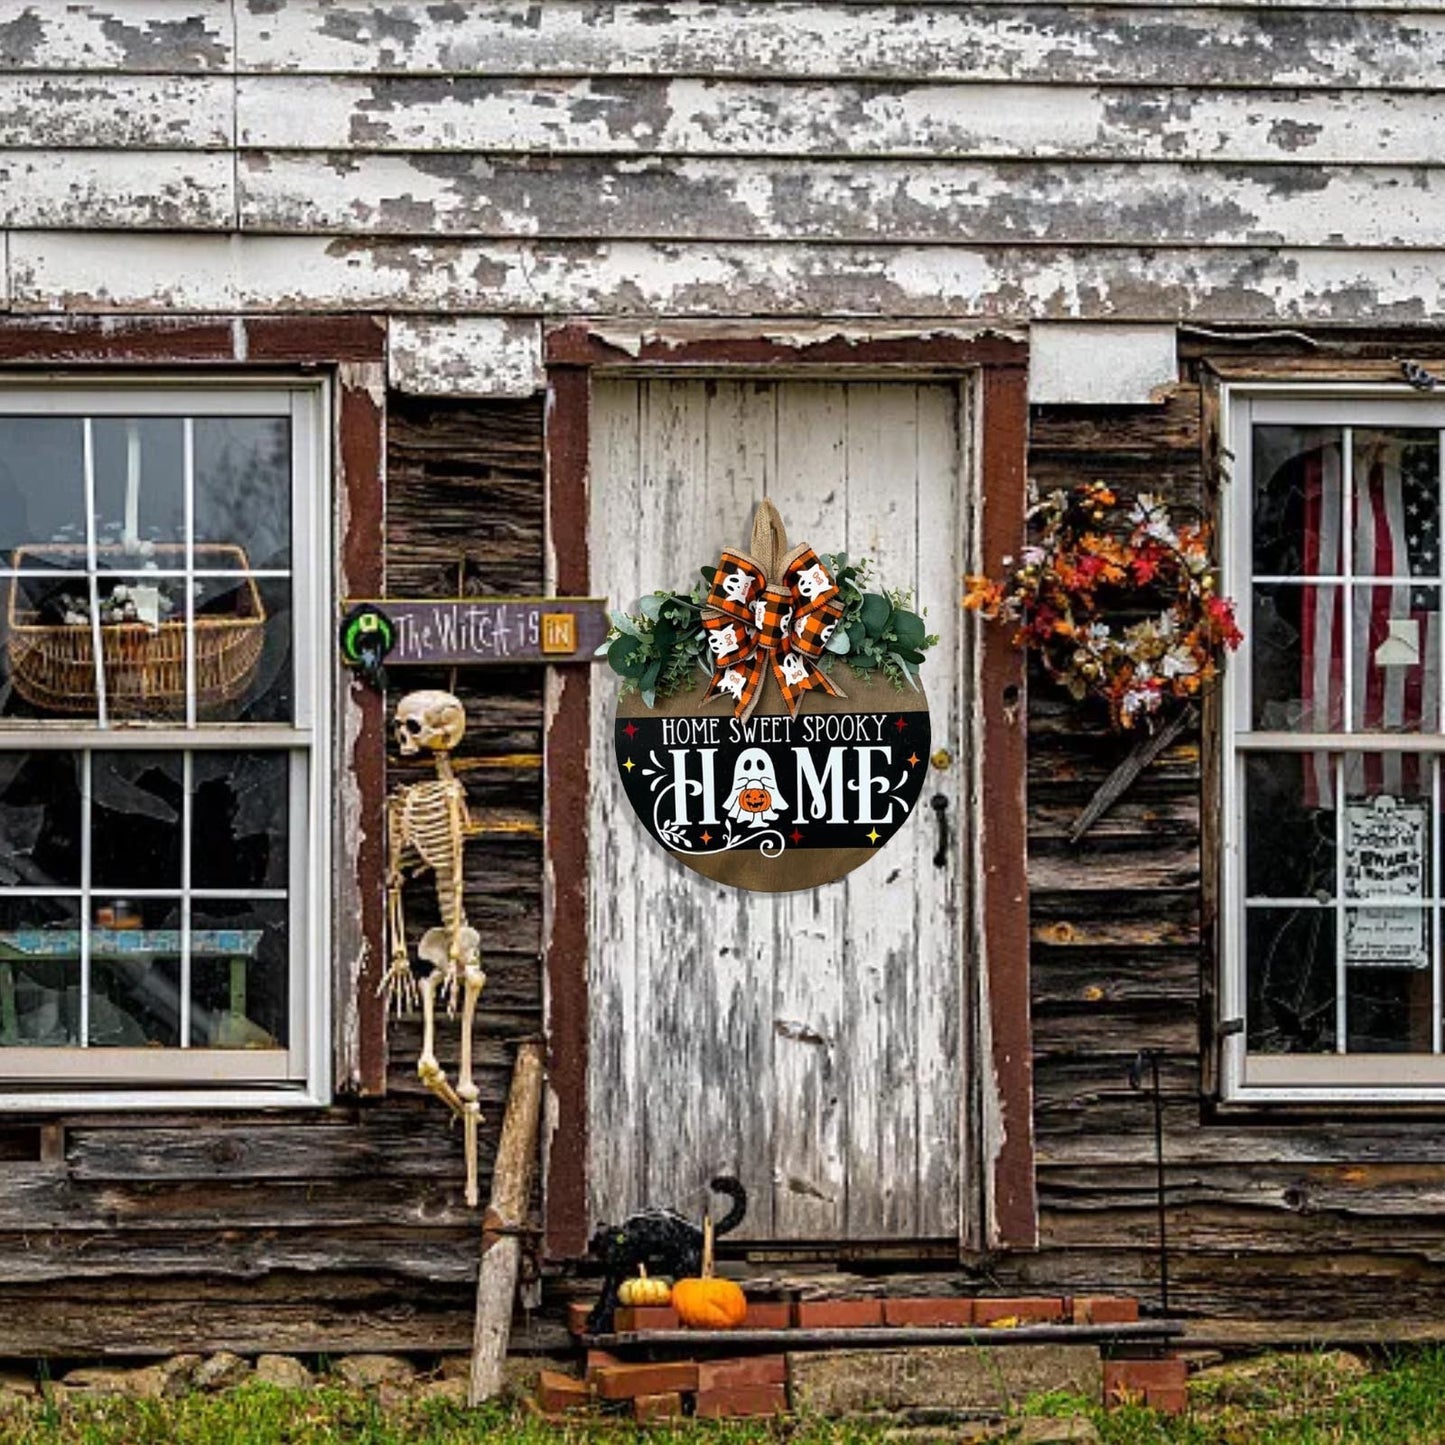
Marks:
<point>658,650</point>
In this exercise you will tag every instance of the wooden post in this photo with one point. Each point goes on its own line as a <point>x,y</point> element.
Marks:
<point>507,1212</point>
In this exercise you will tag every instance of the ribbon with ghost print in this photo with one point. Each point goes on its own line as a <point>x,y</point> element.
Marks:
<point>752,622</point>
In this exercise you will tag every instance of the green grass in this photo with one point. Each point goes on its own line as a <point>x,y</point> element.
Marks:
<point>1297,1399</point>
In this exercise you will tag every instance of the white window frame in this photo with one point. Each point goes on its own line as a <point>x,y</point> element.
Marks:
<point>90,1079</point>
<point>1306,1078</point>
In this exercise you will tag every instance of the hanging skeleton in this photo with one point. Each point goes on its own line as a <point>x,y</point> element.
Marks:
<point>426,828</point>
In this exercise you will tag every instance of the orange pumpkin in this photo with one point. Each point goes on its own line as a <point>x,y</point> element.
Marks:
<point>755,800</point>
<point>708,1303</point>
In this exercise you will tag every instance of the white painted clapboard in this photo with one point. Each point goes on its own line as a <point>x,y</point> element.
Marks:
<point>811,1043</point>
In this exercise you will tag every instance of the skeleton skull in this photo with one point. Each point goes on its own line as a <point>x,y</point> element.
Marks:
<point>432,719</point>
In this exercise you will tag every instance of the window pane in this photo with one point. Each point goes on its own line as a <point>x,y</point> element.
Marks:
<point>1397,503</point>
<point>139,488</point>
<point>39,972</point>
<point>240,820</point>
<point>243,486</point>
<point>135,974</point>
<point>42,484</point>
<point>40,820</point>
<point>1388,1008</point>
<point>1395,646</point>
<point>1291,980</point>
<point>243,665</point>
<point>1297,658</point>
<point>143,642</point>
<point>1289,825</point>
<point>239,974</point>
<point>47,668</point>
<point>1297,501</point>
<point>136,820</point>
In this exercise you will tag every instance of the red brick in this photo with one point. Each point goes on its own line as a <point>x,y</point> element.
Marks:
<point>1168,1402</point>
<point>577,1313</point>
<point>747,1370</point>
<point>1135,1380</point>
<point>741,1401</point>
<point>600,1360</point>
<point>626,1382</point>
<point>557,1392</point>
<point>667,1406</point>
<point>769,1315</point>
<point>926,1312</point>
<point>630,1319</point>
<point>838,1314</point>
<point>1105,1310</point>
<point>1028,1309</point>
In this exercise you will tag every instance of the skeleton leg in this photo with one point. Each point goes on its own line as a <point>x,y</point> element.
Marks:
<point>473,980</point>
<point>427,1069</point>
<point>398,983</point>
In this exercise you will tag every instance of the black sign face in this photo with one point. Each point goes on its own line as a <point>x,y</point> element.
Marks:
<point>773,787</point>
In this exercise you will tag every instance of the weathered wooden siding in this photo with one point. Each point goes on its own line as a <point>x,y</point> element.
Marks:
<point>347,1228</point>
<point>1244,161</point>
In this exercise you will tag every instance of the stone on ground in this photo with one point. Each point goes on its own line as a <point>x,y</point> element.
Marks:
<point>366,1372</point>
<point>284,1372</point>
<point>221,1371</point>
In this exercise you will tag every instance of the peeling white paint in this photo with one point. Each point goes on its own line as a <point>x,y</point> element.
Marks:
<point>1099,364</point>
<point>466,356</point>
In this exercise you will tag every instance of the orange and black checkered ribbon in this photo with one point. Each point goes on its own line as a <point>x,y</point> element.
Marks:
<point>751,623</point>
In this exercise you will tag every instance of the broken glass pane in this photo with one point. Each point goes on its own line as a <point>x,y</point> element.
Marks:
<point>40,820</point>
<point>39,972</point>
<point>1297,658</point>
<point>244,669</point>
<point>136,821</point>
<point>135,973</point>
<point>1289,832</point>
<point>243,486</point>
<point>1298,505</point>
<point>1395,654</point>
<point>1291,980</point>
<point>239,965</point>
<point>240,820</point>
<point>47,660</point>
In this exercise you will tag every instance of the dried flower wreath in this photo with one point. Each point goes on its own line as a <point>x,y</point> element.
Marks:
<point>1071,592</point>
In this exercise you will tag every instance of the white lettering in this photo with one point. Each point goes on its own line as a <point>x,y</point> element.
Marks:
<point>809,779</point>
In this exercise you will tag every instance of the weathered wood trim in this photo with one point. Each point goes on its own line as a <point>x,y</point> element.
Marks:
<point>695,116</point>
<point>103,271</point>
<point>355,347</point>
<point>1002,907</point>
<point>483,356</point>
<point>566,788</point>
<point>359,869</point>
<point>572,351</point>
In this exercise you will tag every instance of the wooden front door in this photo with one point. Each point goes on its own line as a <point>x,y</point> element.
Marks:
<point>814,1043</point>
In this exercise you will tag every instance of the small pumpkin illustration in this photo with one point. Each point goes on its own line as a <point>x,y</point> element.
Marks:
<point>755,800</point>
<point>644,1290</point>
<point>709,1303</point>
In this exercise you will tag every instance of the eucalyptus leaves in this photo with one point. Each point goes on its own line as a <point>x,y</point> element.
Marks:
<point>661,649</point>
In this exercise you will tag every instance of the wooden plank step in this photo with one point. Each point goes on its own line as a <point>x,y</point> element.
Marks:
<point>884,1337</point>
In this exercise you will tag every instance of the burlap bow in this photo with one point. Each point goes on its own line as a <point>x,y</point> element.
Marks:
<point>751,622</point>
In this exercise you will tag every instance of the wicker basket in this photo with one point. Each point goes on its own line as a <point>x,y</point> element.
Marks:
<point>53,664</point>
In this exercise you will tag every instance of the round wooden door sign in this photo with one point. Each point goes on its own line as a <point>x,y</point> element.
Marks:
<point>770,778</point>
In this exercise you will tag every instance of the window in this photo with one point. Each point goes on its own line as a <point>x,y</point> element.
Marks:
<point>162,812</point>
<point>1333,748</point>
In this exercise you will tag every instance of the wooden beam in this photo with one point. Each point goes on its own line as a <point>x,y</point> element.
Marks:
<point>505,1217</point>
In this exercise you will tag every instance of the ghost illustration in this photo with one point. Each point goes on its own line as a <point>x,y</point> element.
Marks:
<point>814,582</point>
<point>723,640</point>
<point>755,798</point>
<point>737,586</point>
<point>794,669</point>
<point>732,682</point>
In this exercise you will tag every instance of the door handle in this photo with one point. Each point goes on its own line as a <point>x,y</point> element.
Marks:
<point>939,804</point>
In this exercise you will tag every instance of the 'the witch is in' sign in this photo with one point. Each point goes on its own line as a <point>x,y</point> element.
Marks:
<point>771,785</point>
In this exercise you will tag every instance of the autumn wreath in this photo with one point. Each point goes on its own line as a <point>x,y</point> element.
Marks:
<point>1097,562</point>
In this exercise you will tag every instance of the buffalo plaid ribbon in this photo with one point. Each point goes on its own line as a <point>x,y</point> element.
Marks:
<point>751,622</point>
